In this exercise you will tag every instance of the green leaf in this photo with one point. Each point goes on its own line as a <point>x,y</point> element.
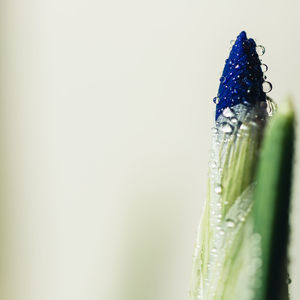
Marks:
<point>272,202</point>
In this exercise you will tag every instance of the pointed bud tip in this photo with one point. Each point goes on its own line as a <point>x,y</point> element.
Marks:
<point>242,78</point>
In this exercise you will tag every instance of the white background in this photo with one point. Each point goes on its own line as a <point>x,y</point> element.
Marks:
<point>106,112</point>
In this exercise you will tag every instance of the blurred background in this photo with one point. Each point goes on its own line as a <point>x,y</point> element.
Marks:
<point>106,114</point>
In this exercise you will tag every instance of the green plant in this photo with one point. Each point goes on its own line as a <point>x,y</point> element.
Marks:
<point>242,242</point>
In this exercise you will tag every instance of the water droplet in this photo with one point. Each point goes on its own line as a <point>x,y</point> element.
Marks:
<point>214,130</point>
<point>213,250</point>
<point>271,106</point>
<point>233,120</point>
<point>237,67</point>
<point>260,50</point>
<point>244,127</point>
<point>218,189</point>
<point>230,223</point>
<point>222,232</point>
<point>247,103</point>
<point>227,128</point>
<point>267,86</point>
<point>241,217</point>
<point>222,79</point>
<point>228,113</point>
<point>213,164</point>
<point>253,123</point>
<point>216,100</point>
<point>264,67</point>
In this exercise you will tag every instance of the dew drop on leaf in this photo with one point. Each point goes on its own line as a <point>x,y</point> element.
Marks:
<point>218,189</point>
<point>227,128</point>
<point>230,223</point>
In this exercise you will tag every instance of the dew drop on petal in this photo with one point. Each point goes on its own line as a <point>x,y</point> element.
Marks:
<point>228,113</point>
<point>222,79</point>
<point>264,67</point>
<point>260,50</point>
<point>245,102</point>
<point>216,100</point>
<point>267,86</point>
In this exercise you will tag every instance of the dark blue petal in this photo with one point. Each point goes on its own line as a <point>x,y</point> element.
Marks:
<point>242,77</point>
